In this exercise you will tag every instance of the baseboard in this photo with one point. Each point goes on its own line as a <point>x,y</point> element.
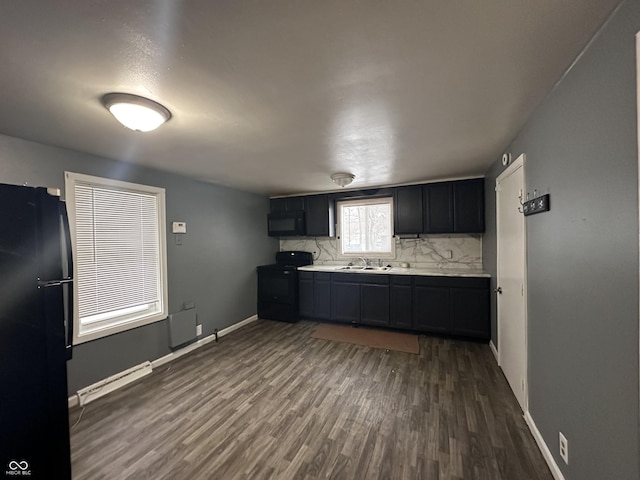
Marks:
<point>73,400</point>
<point>494,350</point>
<point>546,453</point>
<point>189,348</point>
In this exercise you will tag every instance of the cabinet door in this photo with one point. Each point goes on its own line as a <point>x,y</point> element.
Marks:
<point>401,308</point>
<point>295,203</point>
<point>438,207</point>
<point>470,312</point>
<point>286,204</point>
<point>322,297</point>
<point>278,205</point>
<point>305,296</point>
<point>408,210</point>
<point>468,206</point>
<point>431,308</point>
<point>319,216</point>
<point>345,302</point>
<point>374,304</point>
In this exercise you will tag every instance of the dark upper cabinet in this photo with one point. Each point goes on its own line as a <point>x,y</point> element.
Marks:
<point>454,207</point>
<point>442,207</point>
<point>319,216</point>
<point>286,204</point>
<point>438,207</point>
<point>408,210</point>
<point>468,206</point>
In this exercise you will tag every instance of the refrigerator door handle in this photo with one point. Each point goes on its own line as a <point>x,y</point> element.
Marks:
<point>68,288</point>
<point>54,283</point>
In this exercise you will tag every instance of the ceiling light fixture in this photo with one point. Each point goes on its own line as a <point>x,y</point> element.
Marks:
<point>134,112</point>
<point>343,179</point>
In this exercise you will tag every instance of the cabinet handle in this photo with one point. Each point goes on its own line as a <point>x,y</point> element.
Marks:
<point>498,290</point>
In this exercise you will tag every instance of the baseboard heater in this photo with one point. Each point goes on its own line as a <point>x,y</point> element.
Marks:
<point>114,382</point>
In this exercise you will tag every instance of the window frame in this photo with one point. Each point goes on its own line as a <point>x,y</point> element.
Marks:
<point>365,201</point>
<point>85,333</point>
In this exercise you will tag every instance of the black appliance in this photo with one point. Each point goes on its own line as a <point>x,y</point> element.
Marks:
<point>35,333</point>
<point>286,224</point>
<point>278,286</point>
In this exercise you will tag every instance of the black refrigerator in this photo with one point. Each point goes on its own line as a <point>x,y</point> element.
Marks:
<point>36,318</point>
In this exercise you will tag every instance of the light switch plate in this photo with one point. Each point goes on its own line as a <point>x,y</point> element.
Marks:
<point>179,227</point>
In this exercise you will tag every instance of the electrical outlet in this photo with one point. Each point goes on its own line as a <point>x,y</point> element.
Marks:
<point>198,330</point>
<point>564,447</point>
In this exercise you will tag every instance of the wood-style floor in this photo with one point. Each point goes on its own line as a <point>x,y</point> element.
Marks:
<point>270,402</point>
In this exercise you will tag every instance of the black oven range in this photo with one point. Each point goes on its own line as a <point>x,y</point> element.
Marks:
<point>278,286</point>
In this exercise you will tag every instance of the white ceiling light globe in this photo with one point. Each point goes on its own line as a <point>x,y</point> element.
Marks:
<point>136,113</point>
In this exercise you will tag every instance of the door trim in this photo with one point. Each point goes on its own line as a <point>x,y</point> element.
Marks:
<point>517,163</point>
<point>638,125</point>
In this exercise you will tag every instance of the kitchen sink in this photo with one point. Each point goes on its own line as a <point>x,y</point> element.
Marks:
<point>367,268</point>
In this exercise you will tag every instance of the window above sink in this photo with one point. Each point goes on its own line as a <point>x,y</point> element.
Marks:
<point>365,228</point>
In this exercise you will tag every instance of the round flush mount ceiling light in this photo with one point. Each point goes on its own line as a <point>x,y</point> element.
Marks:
<point>134,112</point>
<point>342,178</point>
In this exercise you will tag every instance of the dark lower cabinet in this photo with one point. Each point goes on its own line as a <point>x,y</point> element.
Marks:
<point>305,295</point>
<point>431,302</point>
<point>401,302</point>
<point>345,302</point>
<point>470,311</point>
<point>322,295</point>
<point>374,300</point>
<point>441,305</point>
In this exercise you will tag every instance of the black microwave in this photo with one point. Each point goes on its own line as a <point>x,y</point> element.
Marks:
<point>286,224</point>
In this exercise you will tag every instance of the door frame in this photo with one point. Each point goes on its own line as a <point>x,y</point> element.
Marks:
<point>638,126</point>
<point>517,163</point>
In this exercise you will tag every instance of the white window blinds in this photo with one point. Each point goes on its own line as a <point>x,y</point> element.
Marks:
<point>118,255</point>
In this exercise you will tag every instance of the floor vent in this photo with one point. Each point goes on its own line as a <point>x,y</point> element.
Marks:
<point>114,382</point>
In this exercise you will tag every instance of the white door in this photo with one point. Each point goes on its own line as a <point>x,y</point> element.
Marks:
<point>511,288</point>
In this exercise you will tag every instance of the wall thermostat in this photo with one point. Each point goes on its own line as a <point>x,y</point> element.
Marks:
<point>179,227</point>
<point>506,159</point>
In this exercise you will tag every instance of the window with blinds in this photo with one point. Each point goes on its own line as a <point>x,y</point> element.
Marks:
<point>118,236</point>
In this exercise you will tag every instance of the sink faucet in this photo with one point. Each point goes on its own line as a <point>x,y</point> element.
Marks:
<point>365,261</point>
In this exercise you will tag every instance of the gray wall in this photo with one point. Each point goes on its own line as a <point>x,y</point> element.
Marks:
<point>581,146</point>
<point>214,268</point>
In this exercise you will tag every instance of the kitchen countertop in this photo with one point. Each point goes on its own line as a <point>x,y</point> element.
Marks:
<point>427,272</point>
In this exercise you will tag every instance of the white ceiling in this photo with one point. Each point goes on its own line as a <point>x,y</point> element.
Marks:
<point>274,96</point>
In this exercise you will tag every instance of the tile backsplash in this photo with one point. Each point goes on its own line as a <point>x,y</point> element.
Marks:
<point>433,251</point>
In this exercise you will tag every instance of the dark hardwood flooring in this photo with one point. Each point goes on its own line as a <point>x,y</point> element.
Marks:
<point>270,402</point>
